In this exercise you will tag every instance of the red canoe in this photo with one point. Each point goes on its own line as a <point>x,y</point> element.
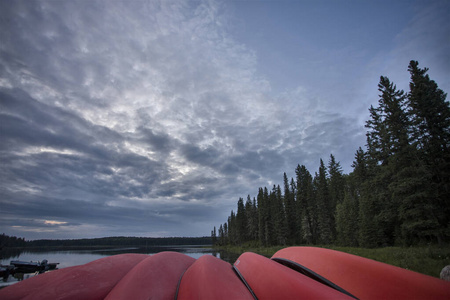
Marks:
<point>156,277</point>
<point>212,278</point>
<point>89,282</point>
<point>271,280</point>
<point>293,273</point>
<point>362,277</point>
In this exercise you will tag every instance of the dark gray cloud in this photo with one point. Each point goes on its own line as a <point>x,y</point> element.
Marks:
<point>152,119</point>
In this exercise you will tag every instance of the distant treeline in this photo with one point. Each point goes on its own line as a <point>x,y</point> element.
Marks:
<point>11,241</point>
<point>397,194</point>
<point>108,241</point>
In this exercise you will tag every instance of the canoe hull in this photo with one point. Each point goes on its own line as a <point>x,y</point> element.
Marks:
<point>366,278</point>
<point>271,280</point>
<point>292,273</point>
<point>91,281</point>
<point>211,278</point>
<point>156,277</point>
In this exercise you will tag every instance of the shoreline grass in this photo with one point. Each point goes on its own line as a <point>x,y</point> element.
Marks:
<point>427,260</point>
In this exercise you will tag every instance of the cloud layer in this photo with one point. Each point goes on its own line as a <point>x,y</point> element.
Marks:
<point>144,118</point>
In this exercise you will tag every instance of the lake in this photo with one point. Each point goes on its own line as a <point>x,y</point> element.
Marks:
<point>68,258</point>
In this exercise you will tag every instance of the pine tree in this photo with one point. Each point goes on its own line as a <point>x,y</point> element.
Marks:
<point>347,211</point>
<point>261,216</point>
<point>387,141</point>
<point>377,138</point>
<point>268,226</point>
<point>416,215</point>
<point>232,232</point>
<point>325,218</point>
<point>360,166</point>
<point>241,222</point>
<point>225,233</point>
<point>307,224</point>
<point>272,221</point>
<point>388,126</point>
<point>214,236</point>
<point>221,235</point>
<point>289,205</point>
<point>336,184</point>
<point>252,219</point>
<point>430,115</point>
<point>256,220</point>
<point>280,221</point>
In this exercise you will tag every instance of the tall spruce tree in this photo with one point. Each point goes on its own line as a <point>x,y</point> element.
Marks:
<point>296,238</point>
<point>336,184</point>
<point>252,220</point>
<point>264,217</point>
<point>416,211</point>
<point>325,212</point>
<point>268,229</point>
<point>347,211</point>
<point>221,235</point>
<point>214,236</point>
<point>225,233</point>
<point>255,219</point>
<point>289,205</point>
<point>232,232</point>
<point>388,127</point>
<point>241,222</point>
<point>261,215</point>
<point>430,115</point>
<point>387,141</point>
<point>281,226</point>
<point>307,224</point>
<point>272,224</point>
<point>360,167</point>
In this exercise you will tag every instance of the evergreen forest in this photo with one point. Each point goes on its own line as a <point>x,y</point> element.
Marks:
<point>398,192</point>
<point>113,241</point>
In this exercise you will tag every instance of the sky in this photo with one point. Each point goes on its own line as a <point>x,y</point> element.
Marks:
<point>151,118</point>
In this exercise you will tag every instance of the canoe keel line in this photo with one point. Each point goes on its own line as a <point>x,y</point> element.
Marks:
<point>311,274</point>
<point>292,273</point>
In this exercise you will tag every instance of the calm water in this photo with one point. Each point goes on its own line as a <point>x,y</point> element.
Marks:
<point>67,258</point>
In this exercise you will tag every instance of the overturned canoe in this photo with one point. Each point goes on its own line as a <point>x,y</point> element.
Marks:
<point>268,279</point>
<point>156,277</point>
<point>211,278</point>
<point>90,281</point>
<point>362,277</point>
<point>292,273</point>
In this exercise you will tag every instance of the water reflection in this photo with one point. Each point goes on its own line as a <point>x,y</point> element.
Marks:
<point>73,257</point>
